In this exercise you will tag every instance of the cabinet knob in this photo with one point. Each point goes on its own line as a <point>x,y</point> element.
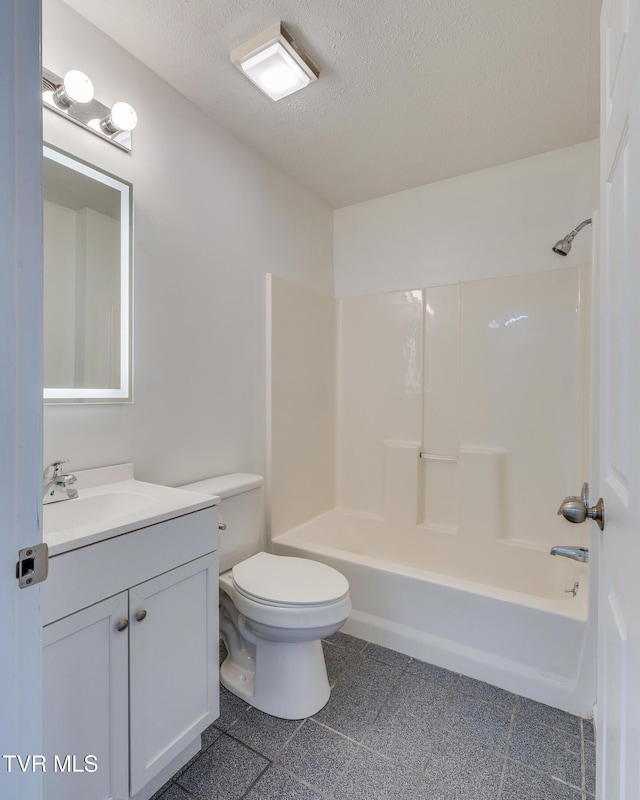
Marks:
<point>141,615</point>
<point>122,625</point>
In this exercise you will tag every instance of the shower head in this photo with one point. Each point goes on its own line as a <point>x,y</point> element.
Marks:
<point>563,246</point>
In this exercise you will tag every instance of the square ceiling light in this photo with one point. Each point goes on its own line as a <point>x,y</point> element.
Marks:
<point>275,63</point>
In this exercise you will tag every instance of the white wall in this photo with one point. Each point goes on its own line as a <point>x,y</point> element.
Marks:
<point>211,219</point>
<point>496,222</point>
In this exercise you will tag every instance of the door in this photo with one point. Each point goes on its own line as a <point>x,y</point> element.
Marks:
<point>618,705</point>
<point>173,641</point>
<point>20,390</point>
<point>85,705</point>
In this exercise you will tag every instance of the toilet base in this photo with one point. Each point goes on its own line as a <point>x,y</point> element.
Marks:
<point>290,680</point>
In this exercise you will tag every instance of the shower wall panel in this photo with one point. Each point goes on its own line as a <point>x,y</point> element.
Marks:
<point>379,399</point>
<point>301,400</point>
<point>461,409</point>
<point>523,379</point>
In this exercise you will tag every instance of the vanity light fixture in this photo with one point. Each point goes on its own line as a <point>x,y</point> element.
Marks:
<point>275,63</point>
<point>72,97</point>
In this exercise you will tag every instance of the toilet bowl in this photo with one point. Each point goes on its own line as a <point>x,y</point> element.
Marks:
<point>274,610</point>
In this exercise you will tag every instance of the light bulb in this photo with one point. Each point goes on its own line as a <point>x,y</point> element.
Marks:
<point>123,117</point>
<point>278,79</point>
<point>76,88</point>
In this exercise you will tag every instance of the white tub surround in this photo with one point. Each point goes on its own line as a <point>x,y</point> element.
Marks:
<point>463,408</point>
<point>301,392</point>
<point>461,424</point>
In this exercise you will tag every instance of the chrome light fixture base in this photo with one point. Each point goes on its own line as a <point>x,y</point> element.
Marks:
<point>86,115</point>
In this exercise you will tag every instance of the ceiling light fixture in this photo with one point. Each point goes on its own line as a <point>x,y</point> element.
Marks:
<point>275,63</point>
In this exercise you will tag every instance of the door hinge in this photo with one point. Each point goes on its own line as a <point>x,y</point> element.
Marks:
<point>33,565</point>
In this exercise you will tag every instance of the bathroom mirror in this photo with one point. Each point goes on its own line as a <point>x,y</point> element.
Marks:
<point>87,230</point>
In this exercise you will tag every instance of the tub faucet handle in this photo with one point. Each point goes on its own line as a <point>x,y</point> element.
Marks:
<point>576,509</point>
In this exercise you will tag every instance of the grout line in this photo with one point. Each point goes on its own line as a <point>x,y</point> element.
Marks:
<point>286,743</point>
<point>186,791</point>
<point>312,786</point>
<point>582,762</point>
<point>253,783</point>
<point>549,725</point>
<point>417,775</point>
<point>344,769</point>
<point>506,750</point>
<point>255,750</point>
<point>336,731</point>
<point>545,774</point>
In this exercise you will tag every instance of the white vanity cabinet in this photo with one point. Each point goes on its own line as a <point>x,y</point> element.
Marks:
<point>85,707</point>
<point>173,656</point>
<point>131,676</point>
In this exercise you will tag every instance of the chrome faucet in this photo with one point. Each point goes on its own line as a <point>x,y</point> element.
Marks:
<point>568,551</point>
<point>56,485</point>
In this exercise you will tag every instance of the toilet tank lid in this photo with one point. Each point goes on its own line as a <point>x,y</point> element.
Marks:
<point>226,485</point>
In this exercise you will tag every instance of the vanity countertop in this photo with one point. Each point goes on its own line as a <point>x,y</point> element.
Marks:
<point>110,503</point>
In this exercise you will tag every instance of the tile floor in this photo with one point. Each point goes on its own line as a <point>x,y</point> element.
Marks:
<point>394,729</point>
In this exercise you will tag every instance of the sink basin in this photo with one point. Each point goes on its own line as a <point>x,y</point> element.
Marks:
<point>111,502</point>
<point>97,507</point>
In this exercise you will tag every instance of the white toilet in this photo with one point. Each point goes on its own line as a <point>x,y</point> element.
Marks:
<point>274,610</point>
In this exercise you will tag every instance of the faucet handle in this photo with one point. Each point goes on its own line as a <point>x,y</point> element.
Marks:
<point>54,469</point>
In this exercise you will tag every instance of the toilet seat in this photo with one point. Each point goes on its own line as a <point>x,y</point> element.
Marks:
<point>288,582</point>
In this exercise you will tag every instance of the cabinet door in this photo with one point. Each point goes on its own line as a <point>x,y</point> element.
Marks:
<point>173,643</point>
<point>85,705</point>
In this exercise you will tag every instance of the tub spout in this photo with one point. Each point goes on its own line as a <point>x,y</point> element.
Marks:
<point>568,551</point>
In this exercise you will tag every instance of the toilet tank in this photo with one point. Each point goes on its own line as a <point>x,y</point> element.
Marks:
<point>241,510</point>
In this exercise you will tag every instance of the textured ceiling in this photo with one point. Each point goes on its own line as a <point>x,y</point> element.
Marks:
<point>410,91</point>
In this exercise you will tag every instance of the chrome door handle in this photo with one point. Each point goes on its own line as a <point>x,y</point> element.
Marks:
<point>576,509</point>
<point>141,615</point>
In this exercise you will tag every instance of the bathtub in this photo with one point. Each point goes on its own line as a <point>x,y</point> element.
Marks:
<point>498,612</point>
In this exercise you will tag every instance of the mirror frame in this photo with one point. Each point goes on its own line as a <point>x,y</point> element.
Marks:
<point>124,393</point>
